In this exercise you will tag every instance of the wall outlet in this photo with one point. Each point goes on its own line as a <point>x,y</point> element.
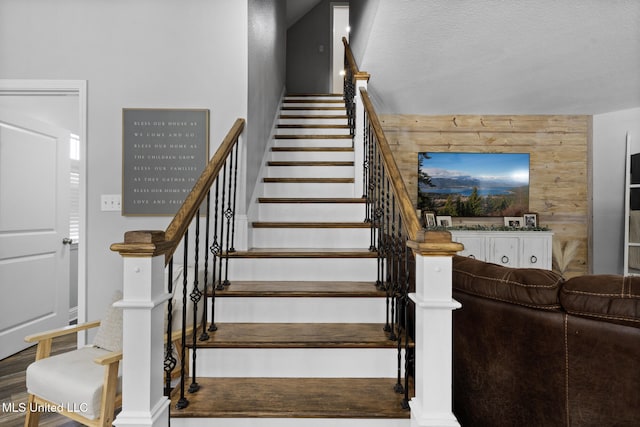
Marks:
<point>110,202</point>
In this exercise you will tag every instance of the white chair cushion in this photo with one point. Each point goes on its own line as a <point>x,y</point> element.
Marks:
<point>71,379</point>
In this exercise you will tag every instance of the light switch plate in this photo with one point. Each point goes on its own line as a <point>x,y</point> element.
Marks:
<point>110,202</point>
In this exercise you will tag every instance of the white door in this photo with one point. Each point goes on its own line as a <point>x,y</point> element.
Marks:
<point>34,223</point>
<point>340,29</point>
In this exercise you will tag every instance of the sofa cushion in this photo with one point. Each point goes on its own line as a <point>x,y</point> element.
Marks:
<point>529,287</point>
<point>613,298</point>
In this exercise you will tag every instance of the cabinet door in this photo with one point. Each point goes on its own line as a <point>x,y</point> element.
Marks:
<point>473,247</point>
<point>503,251</point>
<point>535,252</point>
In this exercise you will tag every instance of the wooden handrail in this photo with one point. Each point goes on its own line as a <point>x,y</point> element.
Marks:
<point>407,212</point>
<point>152,243</point>
<point>357,74</point>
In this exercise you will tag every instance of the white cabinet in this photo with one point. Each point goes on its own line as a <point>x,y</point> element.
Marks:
<point>529,249</point>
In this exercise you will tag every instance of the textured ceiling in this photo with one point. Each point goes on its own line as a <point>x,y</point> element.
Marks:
<point>504,57</point>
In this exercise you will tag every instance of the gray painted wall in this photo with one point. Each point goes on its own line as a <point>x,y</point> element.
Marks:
<point>308,51</point>
<point>267,52</point>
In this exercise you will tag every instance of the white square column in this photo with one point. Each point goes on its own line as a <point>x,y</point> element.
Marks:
<point>144,295</point>
<point>432,404</point>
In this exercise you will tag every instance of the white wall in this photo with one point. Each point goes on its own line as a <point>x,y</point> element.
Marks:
<point>145,53</point>
<point>609,136</point>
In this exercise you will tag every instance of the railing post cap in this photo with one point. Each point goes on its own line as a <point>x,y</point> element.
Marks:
<point>142,243</point>
<point>434,243</point>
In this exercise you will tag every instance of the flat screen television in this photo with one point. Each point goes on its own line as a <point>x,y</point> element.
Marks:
<point>473,184</point>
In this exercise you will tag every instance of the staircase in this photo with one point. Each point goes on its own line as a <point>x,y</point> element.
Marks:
<point>300,337</point>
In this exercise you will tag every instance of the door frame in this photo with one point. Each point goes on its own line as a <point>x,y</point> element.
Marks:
<point>77,88</point>
<point>332,6</point>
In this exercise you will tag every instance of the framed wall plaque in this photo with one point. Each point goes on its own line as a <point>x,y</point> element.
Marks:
<point>164,151</point>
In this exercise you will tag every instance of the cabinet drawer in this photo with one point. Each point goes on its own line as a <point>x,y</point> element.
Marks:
<point>536,253</point>
<point>503,251</point>
<point>473,247</point>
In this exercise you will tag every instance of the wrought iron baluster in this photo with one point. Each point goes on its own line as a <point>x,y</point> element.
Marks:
<point>170,361</point>
<point>407,355</point>
<point>195,297</point>
<point>379,214</point>
<point>400,325</point>
<point>183,402</point>
<point>393,269</point>
<point>228,214</point>
<point>215,252</point>
<point>234,195</point>
<point>221,256</point>
<point>204,336</point>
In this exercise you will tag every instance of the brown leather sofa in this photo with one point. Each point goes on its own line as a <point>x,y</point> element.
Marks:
<point>531,349</point>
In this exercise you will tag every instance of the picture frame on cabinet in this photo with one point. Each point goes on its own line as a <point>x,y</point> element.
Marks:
<point>428,219</point>
<point>513,221</point>
<point>444,221</point>
<point>530,220</point>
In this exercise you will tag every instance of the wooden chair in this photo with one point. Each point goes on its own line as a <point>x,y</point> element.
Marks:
<point>82,384</point>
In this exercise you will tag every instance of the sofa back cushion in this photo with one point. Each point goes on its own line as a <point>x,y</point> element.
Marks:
<point>530,287</point>
<point>613,298</point>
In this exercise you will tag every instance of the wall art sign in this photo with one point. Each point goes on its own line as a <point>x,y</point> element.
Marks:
<point>164,151</point>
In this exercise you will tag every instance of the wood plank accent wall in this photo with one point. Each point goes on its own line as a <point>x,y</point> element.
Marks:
<point>559,159</point>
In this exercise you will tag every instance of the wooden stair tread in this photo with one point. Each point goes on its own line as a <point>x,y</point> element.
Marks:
<point>309,163</point>
<point>298,335</point>
<point>303,253</point>
<point>311,180</point>
<point>296,224</point>
<point>311,95</point>
<point>313,116</point>
<point>313,136</point>
<point>313,126</point>
<point>312,200</point>
<point>293,398</point>
<point>312,149</point>
<point>307,101</point>
<point>300,289</point>
<point>313,108</point>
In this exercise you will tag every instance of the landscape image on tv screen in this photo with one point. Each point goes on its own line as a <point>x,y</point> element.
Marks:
<point>473,184</point>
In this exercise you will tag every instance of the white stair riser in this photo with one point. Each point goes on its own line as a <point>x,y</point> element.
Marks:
<point>300,310</point>
<point>310,171</point>
<point>312,112</point>
<point>312,211</point>
<point>299,142</point>
<point>311,237</point>
<point>289,422</point>
<point>329,269</point>
<point>313,104</point>
<point>298,362</point>
<point>295,189</point>
<point>329,156</point>
<point>312,131</point>
<point>317,121</point>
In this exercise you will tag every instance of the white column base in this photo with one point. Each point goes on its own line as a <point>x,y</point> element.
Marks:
<point>432,419</point>
<point>157,417</point>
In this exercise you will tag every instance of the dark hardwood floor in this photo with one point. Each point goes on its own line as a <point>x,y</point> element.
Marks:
<point>13,390</point>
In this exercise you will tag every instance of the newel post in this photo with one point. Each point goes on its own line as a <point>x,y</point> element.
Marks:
<point>432,404</point>
<point>361,80</point>
<point>144,295</point>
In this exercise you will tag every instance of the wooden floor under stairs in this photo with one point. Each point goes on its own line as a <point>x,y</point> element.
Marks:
<point>284,397</point>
